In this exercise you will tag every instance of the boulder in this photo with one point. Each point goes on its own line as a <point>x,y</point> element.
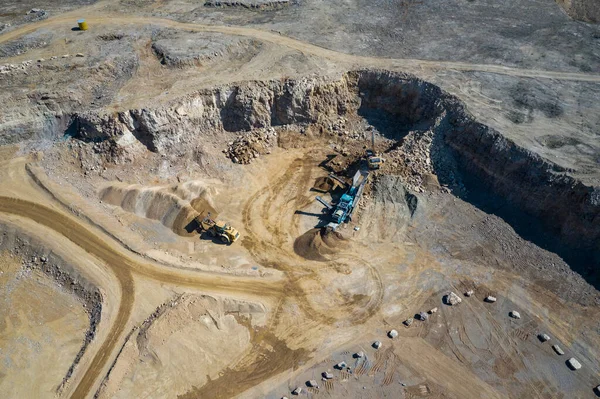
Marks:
<point>453,299</point>
<point>515,315</point>
<point>377,344</point>
<point>543,337</point>
<point>573,364</point>
<point>393,334</point>
<point>558,350</point>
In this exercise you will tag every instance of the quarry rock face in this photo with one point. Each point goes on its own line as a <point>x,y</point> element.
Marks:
<point>458,144</point>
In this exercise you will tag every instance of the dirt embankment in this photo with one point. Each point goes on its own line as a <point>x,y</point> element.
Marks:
<point>175,207</point>
<point>318,244</point>
<point>431,133</point>
<point>203,330</point>
<point>37,257</point>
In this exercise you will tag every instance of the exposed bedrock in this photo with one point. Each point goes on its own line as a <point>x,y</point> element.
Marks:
<point>559,212</point>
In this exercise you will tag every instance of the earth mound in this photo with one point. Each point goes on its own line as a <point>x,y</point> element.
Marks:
<point>317,243</point>
<point>175,207</point>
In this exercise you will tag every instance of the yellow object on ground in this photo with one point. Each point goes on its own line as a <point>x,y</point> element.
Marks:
<point>82,24</point>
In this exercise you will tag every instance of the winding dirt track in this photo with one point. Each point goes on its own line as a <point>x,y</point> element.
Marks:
<point>272,225</point>
<point>122,266</point>
<point>101,17</point>
<point>125,265</point>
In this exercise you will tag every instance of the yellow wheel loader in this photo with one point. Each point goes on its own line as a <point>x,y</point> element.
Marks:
<point>226,233</point>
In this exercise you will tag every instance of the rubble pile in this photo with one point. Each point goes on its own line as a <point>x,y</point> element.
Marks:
<point>248,146</point>
<point>8,68</point>
<point>24,66</point>
<point>419,154</point>
<point>36,14</point>
<point>256,4</point>
<point>345,129</point>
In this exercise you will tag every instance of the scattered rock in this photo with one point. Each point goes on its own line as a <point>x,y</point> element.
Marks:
<point>573,364</point>
<point>327,376</point>
<point>514,314</point>
<point>543,337</point>
<point>377,344</point>
<point>490,299</point>
<point>250,145</point>
<point>558,350</point>
<point>408,322</point>
<point>453,299</point>
<point>432,311</point>
<point>393,334</point>
<point>423,316</point>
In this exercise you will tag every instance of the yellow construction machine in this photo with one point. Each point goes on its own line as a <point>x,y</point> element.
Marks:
<point>226,233</point>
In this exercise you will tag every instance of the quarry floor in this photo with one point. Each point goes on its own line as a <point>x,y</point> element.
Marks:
<point>183,316</point>
<point>312,313</point>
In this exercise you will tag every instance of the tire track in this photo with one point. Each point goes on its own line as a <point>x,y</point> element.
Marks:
<point>103,17</point>
<point>122,265</point>
<point>265,214</point>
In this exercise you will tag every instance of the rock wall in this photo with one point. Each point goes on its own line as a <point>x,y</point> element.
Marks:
<point>568,207</point>
<point>232,108</point>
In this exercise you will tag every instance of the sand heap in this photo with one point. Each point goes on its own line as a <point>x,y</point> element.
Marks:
<point>317,243</point>
<point>175,207</point>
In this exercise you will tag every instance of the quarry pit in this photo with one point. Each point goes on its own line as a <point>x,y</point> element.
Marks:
<point>115,153</point>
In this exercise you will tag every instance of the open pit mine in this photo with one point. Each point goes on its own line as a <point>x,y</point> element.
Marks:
<point>278,199</point>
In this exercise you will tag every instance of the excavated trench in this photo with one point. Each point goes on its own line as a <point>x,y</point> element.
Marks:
<point>539,199</point>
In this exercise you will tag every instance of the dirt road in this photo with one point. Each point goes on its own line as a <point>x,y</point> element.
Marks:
<point>123,265</point>
<point>271,225</point>
<point>101,17</point>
